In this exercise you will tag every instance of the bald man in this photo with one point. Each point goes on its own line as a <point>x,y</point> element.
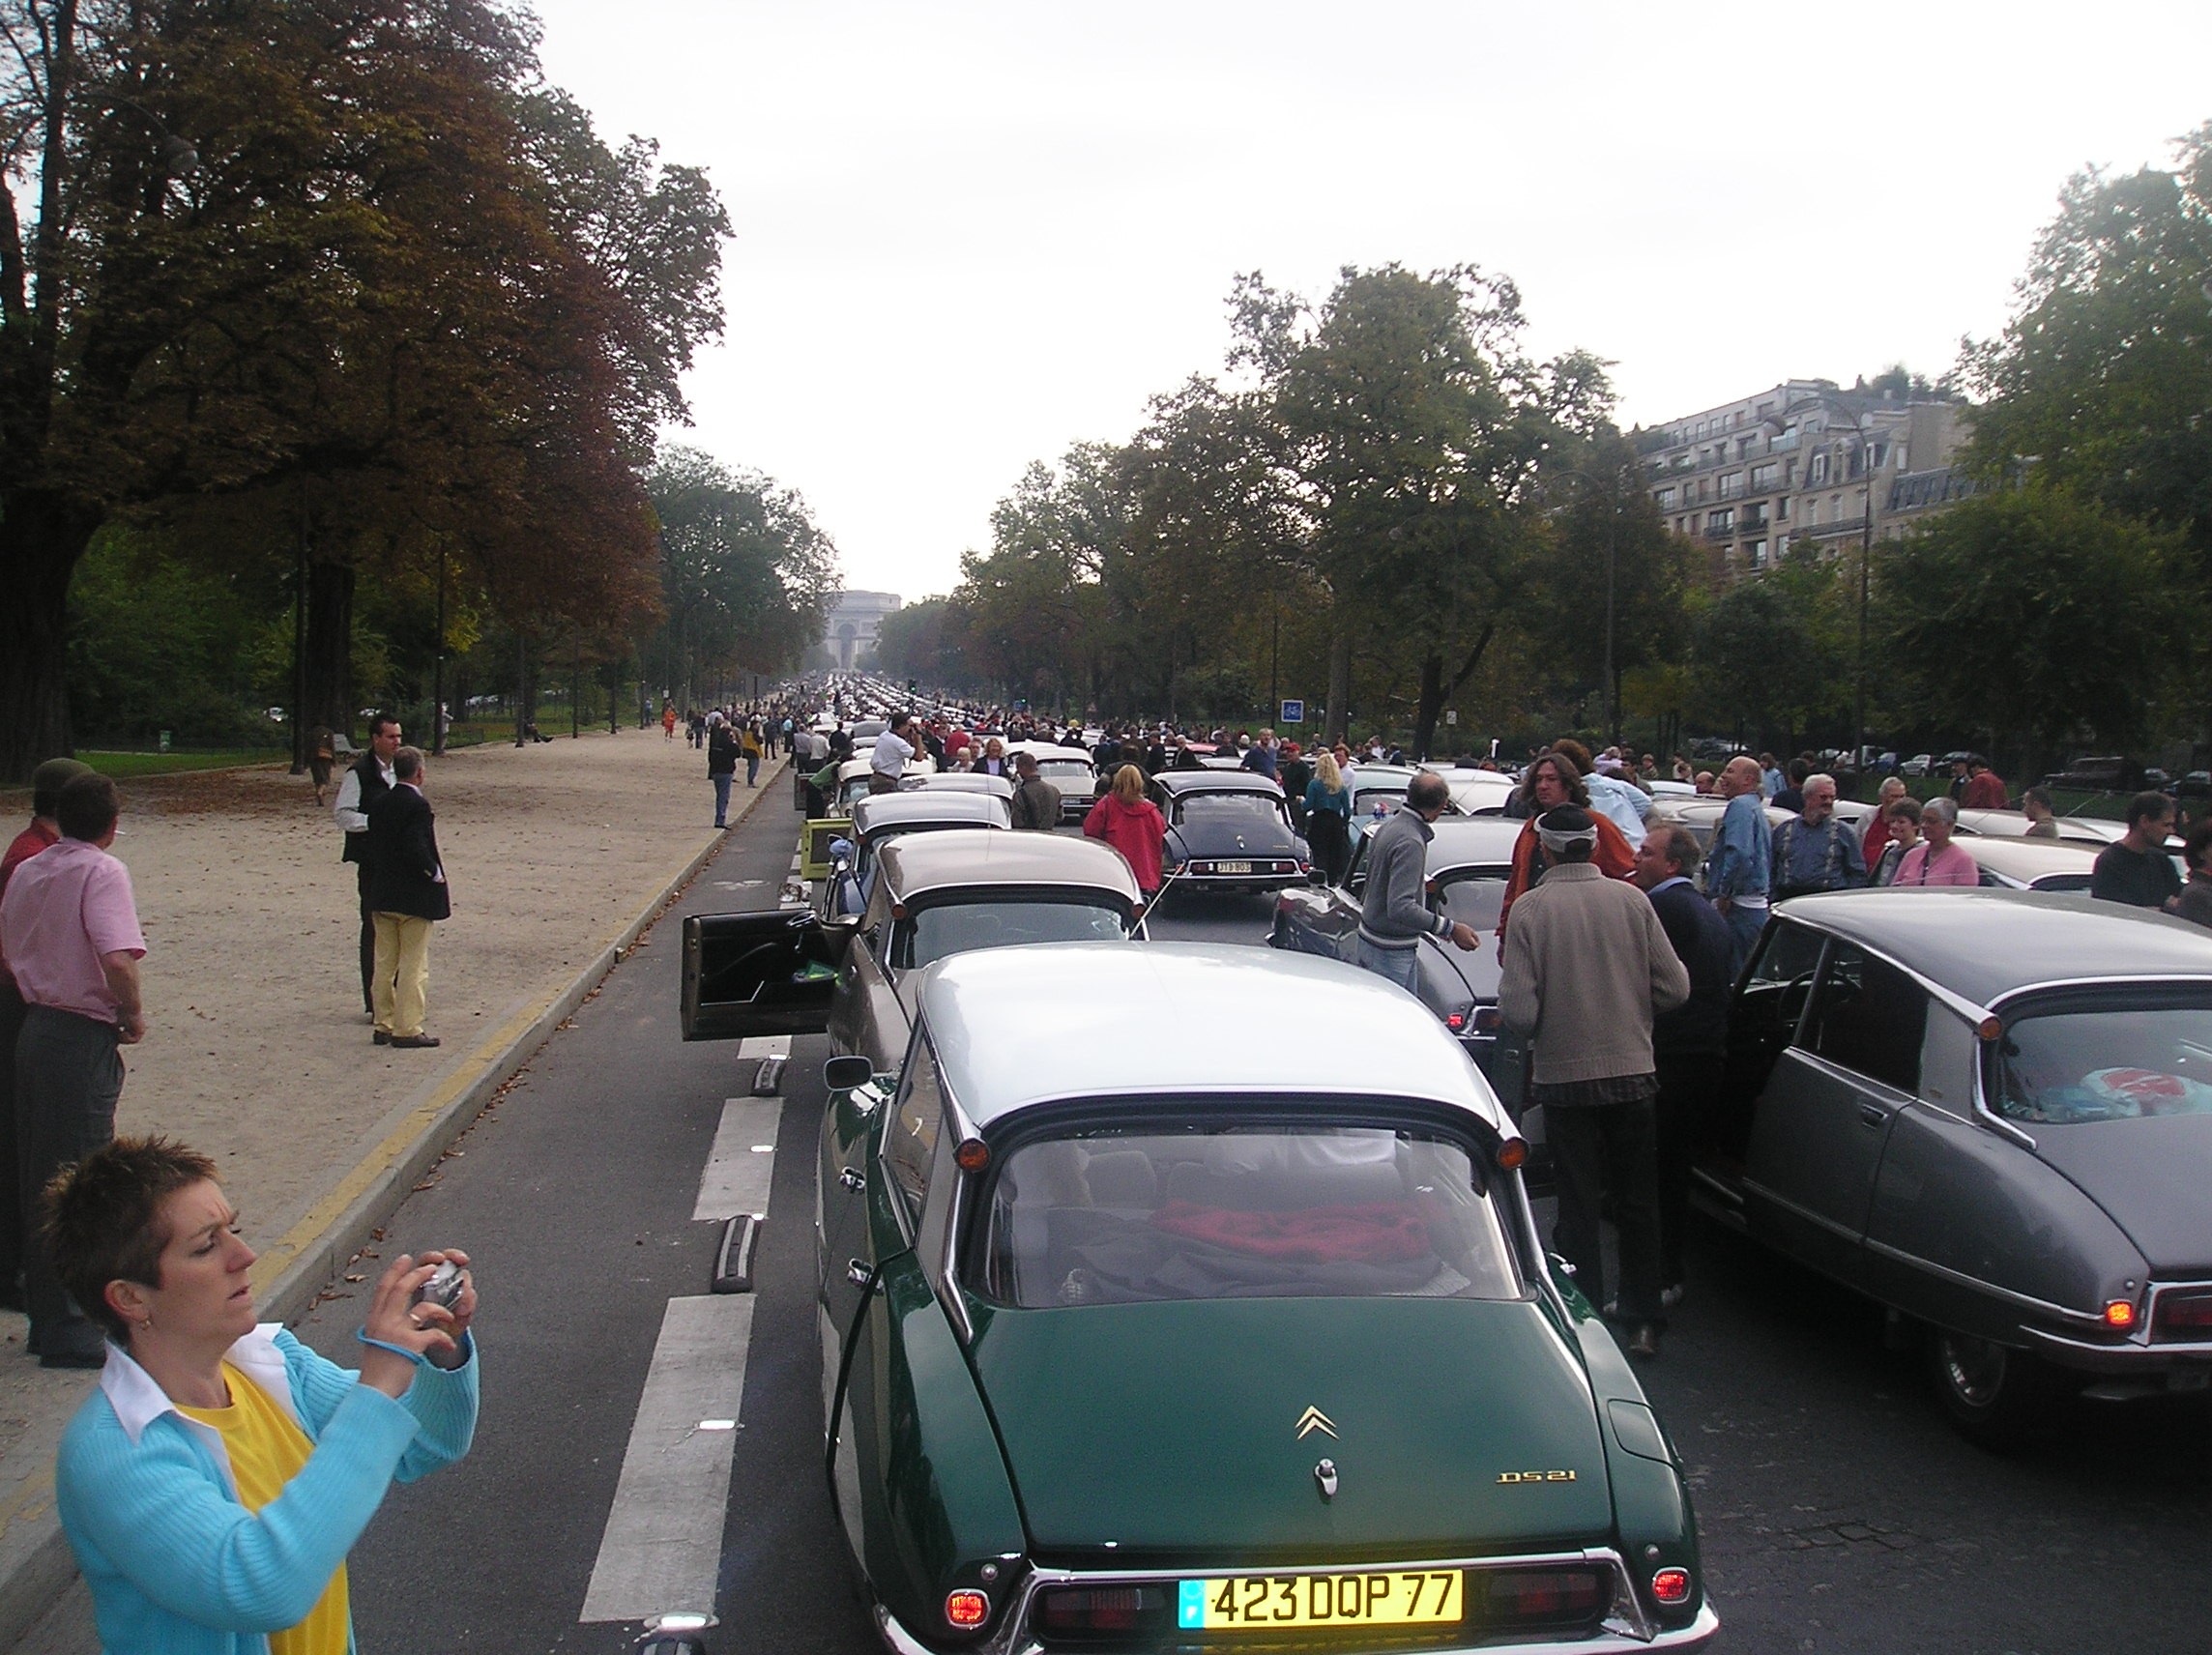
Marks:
<point>1740,866</point>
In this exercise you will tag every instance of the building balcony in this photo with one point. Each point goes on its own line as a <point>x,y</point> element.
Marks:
<point>1718,531</point>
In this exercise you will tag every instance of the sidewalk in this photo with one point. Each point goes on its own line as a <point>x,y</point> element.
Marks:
<point>257,1051</point>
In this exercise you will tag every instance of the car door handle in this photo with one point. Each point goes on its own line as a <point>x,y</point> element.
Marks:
<point>857,1271</point>
<point>1872,1114</point>
<point>852,1180</point>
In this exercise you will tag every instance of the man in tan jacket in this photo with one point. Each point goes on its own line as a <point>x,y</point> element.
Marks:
<point>1587,965</point>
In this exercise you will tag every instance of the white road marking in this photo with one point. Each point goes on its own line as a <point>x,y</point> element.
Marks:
<point>662,1548</point>
<point>736,1178</point>
<point>764,1046</point>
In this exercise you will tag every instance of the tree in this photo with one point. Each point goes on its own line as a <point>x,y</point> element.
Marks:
<point>1767,652</point>
<point>2034,614</point>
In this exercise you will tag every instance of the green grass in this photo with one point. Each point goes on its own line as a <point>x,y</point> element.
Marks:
<point>125,765</point>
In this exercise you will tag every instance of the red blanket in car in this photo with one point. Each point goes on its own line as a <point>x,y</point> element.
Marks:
<point>1378,1233</point>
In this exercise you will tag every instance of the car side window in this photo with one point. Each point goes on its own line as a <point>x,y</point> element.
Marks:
<point>1869,1017</point>
<point>909,1134</point>
<point>1786,953</point>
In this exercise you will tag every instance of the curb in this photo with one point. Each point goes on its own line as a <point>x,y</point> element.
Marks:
<point>35,1564</point>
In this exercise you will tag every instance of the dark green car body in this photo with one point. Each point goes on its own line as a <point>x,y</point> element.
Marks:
<point>1049,1455</point>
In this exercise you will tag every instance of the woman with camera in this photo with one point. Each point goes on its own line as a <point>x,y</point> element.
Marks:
<point>213,1485</point>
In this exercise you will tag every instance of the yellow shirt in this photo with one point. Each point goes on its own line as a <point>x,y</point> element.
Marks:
<point>267,1451</point>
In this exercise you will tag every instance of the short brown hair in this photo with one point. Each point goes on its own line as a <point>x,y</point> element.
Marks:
<point>102,1218</point>
<point>86,807</point>
<point>1679,846</point>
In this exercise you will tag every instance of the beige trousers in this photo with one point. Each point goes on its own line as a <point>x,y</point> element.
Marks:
<point>401,987</point>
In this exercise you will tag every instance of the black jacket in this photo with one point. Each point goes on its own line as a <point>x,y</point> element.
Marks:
<point>404,857</point>
<point>722,751</point>
<point>1708,950</point>
<point>373,787</point>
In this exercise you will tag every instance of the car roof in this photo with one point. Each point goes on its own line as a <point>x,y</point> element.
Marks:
<point>1175,782</point>
<point>2028,858</point>
<point>1049,750</point>
<point>1985,945</point>
<point>919,764</point>
<point>924,807</point>
<point>1461,841</point>
<point>1378,775</point>
<point>1018,1026</point>
<point>963,781</point>
<point>915,865</point>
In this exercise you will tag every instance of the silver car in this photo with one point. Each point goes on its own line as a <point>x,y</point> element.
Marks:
<point>1991,1112</point>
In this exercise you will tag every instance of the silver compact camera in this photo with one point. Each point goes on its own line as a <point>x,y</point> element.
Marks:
<point>444,1287</point>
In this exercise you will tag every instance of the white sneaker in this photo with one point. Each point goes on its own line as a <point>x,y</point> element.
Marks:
<point>1671,1296</point>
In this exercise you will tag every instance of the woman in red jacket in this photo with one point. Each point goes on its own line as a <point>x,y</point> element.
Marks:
<point>1130,822</point>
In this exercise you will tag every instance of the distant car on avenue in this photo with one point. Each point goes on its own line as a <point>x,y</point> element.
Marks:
<point>1227,830</point>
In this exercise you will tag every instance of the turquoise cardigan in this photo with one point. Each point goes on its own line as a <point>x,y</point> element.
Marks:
<point>148,1505</point>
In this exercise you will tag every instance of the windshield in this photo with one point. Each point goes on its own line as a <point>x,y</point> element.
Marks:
<point>1250,1212</point>
<point>1377,801</point>
<point>933,934</point>
<point>1247,810</point>
<point>2107,1063</point>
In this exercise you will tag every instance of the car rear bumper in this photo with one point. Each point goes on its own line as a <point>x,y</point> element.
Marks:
<point>1694,1635</point>
<point>2121,1362</point>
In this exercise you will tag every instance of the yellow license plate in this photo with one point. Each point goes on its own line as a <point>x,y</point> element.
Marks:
<point>1231,867</point>
<point>1252,1602</point>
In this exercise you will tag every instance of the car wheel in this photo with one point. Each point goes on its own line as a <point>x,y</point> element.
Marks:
<point>1994,1395</point>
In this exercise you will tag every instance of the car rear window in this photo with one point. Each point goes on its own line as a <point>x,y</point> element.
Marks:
<point>933,934</point>
<point>2113,1062</point>
<point>1478,901</point>
<point>1243,1211</point>
<point>1249,808</point>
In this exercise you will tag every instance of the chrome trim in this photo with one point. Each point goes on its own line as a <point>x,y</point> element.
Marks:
<point>2128,1359</point>
<point>1766,1193</point>
<point>1629,1630</point>
<point>1959,1278</point>
<point>2146,1336</point>
<point>948,1283</point>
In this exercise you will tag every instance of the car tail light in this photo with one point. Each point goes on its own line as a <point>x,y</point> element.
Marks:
<point>1455,1022</point>
<point>1488,1020</point>
<point>1074,1610</point>
<point>967,1610</point>
<point>1552,1597</point>
<point>1671,1586</point>
<point>2120,1313</point>
<point>2184,1314</point>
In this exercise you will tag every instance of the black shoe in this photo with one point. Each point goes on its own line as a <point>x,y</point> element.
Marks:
<point>413,1042</point>
<point>380,1038</point>
<point>1644,1340</point>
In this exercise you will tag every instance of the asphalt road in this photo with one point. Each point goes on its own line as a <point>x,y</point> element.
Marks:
<point>1838,1511</point>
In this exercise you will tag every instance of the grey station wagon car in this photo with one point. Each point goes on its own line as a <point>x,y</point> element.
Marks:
<point>1990,1111</point>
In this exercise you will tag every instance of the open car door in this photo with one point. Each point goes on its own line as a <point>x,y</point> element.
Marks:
<point>765,972</point>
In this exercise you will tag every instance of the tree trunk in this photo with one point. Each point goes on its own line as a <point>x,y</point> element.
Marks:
<point>1339,681</point>
<point>327,681</point>
<point>40,541</point>
<point>1435,692</point>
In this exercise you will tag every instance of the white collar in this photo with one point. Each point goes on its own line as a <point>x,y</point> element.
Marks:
<point>139,1401</point>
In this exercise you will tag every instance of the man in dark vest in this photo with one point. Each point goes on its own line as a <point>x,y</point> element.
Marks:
<point>366,782</point>
<point>408,892</point>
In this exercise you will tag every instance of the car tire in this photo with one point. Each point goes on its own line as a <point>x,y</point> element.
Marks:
<point>1995,1396</point>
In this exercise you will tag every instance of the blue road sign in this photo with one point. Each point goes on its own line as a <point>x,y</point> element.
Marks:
<point>1294,713</point>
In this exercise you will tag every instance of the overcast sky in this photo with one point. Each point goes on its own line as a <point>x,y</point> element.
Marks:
<point>969,235</point>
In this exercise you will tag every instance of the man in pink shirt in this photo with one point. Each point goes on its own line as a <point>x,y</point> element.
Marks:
<point>1936,859</point>
<point>69,933</point>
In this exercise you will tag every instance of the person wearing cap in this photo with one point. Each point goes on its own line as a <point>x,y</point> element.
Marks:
<point>47,784</point>
<point>1393,908</point>
<point>1036,802</point>
<point>1587,965</point>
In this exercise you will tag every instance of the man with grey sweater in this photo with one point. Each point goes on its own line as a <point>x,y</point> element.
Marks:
<point>1393,910</point>
<point>1587,965</point>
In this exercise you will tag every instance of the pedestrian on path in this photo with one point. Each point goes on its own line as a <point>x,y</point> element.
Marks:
<point>47,784</point>
<point>69,932</point>
<point>410,896</point>
<point>1132,823</point>
<point>721,768</point>
<point>1587,967</point>
<point>369,780</point>
<point>2134,869</point>
<point>1739,867</point>
<point>1817,851</point>
<point>1329,817</point>
<point>1937,859</point>
<point>1394,910</point>
<point>213,1484</point>
<point>887,759</point>
<point>1036,802</point>
<point>668,721</point>
<point>750,742</point>
<point>1689,1045</point>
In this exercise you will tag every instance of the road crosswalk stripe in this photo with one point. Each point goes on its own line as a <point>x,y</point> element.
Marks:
<point>738,1171</point>
<point>662,1548</point>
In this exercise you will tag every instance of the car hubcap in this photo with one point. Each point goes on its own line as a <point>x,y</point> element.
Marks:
<point>1973,1368</point>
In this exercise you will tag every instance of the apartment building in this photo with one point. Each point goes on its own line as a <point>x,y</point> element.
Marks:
<point>1804,463</point>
